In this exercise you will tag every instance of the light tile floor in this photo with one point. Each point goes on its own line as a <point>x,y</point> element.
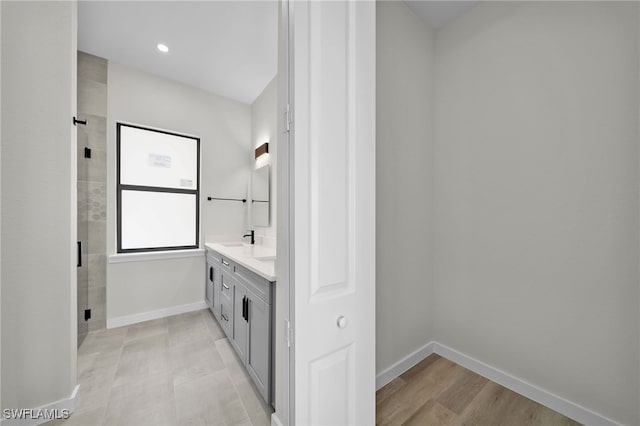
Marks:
<point>171,371</point>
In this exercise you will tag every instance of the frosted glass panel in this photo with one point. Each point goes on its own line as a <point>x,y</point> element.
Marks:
<point>150,158</point>
<point>157,219</point>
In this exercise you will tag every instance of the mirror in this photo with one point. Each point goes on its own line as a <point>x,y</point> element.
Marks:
<point>260,196</point>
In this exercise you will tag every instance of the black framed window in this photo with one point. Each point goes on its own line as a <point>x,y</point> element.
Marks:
<point>158,194</point>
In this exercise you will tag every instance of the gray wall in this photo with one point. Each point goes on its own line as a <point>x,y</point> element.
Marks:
<point>537,196</point>
<point>404,192</point>
<point>507,195</point>
<point>38,202</point>
<point>224,128</point>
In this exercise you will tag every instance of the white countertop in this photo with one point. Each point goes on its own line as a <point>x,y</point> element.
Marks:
<point>256,258</point>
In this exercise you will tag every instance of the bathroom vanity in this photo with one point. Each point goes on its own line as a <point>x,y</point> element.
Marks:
<point>240,289</point>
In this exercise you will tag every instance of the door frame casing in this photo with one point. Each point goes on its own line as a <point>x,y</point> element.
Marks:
<point>283,321</point>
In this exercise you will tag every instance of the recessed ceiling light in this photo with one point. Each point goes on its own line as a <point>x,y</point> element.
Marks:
<point>163,48</point>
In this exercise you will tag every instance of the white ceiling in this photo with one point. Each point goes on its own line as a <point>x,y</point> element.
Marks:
<point>439,13</point>
<point>225,47</point>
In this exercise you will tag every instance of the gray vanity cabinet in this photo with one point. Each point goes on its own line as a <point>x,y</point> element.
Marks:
<point>245,302</point>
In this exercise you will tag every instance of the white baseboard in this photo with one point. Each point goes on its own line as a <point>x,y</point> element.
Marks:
<point>63,404</point>
<point>539,395</point>
<point>275,420</point>
<point>403,365</point>
<point>151,315</point>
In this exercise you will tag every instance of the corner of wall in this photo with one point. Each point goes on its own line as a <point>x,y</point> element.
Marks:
<point>404,183</point>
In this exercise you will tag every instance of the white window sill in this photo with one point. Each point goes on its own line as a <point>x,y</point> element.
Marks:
<point>154,255</point>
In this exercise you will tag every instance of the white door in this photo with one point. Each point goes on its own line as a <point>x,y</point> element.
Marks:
<point>333,221</point>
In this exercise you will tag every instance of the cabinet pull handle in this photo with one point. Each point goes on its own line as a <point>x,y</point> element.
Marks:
<point>79,253</point>
<point>244,307</point>
<point>246,315</point>
<point>225,286</point>
<point>225,263</point>
<point>224,317</point>
<point>211,274</point>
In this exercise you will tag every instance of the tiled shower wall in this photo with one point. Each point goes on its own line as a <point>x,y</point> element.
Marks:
<point>92,182</point>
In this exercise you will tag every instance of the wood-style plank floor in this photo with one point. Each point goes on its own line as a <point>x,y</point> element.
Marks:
<point>438,392</point>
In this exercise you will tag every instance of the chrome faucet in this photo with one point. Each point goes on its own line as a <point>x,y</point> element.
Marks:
<point>252,235</point>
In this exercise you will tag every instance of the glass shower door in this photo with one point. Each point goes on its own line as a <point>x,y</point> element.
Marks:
<point>83,234</point>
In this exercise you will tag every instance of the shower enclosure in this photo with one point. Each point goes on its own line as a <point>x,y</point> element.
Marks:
<point>92,181</point>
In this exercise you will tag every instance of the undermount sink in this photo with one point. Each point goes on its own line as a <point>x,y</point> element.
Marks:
<point>232,244</point>
<point>266,259</point>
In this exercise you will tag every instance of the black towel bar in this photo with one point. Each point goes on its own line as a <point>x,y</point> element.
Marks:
<point>244,200</point>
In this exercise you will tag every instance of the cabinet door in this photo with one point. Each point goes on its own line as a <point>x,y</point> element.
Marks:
<point>259,345</point>
<point>239,323</point>
<point>216,290</point>
<point>208,290</point>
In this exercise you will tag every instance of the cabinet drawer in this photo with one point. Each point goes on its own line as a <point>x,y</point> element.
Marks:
<point>226,317</point>
<point>226,264</point>
<point>226,287</point>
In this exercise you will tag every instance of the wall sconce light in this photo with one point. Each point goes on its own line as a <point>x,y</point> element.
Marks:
<point>262,149</point>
